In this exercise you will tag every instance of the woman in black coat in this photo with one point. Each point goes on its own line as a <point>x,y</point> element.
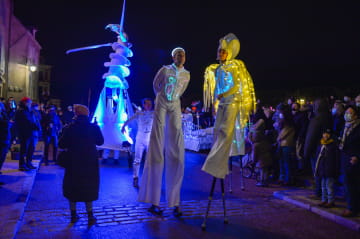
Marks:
<point>81,179</point>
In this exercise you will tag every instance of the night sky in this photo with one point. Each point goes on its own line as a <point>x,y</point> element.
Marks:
<point>285,47</point>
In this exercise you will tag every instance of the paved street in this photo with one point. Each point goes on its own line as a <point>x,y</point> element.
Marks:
<point>253,213</point>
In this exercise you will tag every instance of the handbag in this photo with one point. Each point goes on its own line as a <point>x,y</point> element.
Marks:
<point>63,158</point>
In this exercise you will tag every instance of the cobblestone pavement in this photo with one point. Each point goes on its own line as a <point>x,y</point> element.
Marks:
<point>57,219</point>
<point>253,213</point>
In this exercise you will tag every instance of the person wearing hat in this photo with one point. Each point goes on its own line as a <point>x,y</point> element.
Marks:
<point>327,168</point>
<point>228,87</point>
<point>27,128</point>
<point>166,135</point>
<point>81,177</point>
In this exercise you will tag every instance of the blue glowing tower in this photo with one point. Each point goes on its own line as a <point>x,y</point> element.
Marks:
<point>114,105</point>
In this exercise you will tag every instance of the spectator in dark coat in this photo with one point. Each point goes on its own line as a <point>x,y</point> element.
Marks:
<point>4,135</point>
<point>11,107</point>
<point>52,127</point>
<point>261,148</point>
<point>327,168</point>
<point>38,119</point>
<point>81,179</point>
<point>68,115</point>
<point>338,112</point>
<point>350,160</point>
<point>301,122</point>
<point>318,123</point>
<point>286,146</point>
<point>26,130</point>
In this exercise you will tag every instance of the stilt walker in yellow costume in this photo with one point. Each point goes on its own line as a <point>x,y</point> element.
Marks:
<point>228,87</point>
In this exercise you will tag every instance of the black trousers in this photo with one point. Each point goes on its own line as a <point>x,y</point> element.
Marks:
<point>27,147</point>
<point>50,139</point>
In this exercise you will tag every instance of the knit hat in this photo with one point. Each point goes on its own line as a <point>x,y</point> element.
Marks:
<point>328,131</point>
<point>81,110</point>
<point>25,99</point>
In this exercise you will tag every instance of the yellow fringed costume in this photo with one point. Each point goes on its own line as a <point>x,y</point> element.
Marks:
<point>232,80</point>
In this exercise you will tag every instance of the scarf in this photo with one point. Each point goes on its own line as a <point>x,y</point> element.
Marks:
<point>349,126</point>
<point>329,141</point>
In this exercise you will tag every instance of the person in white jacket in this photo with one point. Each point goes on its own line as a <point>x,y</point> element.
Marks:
<point>166,136</point>
<point>144,119</point>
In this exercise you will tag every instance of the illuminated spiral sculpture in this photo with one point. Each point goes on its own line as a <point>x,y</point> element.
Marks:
<point>114,106</point>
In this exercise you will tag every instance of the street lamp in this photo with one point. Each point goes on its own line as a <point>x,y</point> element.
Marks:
<point>33,68</point>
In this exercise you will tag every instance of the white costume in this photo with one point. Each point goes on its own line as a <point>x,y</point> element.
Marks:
<point>144,121</point>
<point>231,79</point>
<point>169,84</point>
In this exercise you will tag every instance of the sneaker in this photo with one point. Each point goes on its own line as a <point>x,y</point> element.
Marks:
<point>74,218</point>
<point>177,212</point>
<point>23,168</point>
<point>322,204</point>
<point>155,210</point>
<point>136,182</point>
<point>348,213</point>
<point>260,184</point>
<point>30,166</point>
<point>329,205</point>
<point>314,197</point>
<point>92,220</point>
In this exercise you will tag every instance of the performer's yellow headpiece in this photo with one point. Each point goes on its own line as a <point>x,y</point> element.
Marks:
<point>231,44</point>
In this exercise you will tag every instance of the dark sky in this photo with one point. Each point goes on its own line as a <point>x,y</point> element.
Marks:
<point>283,46</point>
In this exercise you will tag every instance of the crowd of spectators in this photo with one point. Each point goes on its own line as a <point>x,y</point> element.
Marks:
<point>25,123</point>
<point>320,139</point>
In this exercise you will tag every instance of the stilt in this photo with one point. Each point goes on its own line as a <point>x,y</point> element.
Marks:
<point>203,225</point>
<point>242,186</point>
<point>230,174</point>
<point>223,199</point>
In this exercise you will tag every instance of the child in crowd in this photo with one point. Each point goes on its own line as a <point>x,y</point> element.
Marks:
<point>327,168</point>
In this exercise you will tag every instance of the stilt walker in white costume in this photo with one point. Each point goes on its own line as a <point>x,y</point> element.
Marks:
<point>229,88</point>
<point>169,84</point>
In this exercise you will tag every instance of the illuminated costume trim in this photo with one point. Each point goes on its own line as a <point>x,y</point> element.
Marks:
<point>231,79</point>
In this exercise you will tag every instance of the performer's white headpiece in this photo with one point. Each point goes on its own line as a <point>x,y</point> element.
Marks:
<point>173,52</point>
<point>231,44</point>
